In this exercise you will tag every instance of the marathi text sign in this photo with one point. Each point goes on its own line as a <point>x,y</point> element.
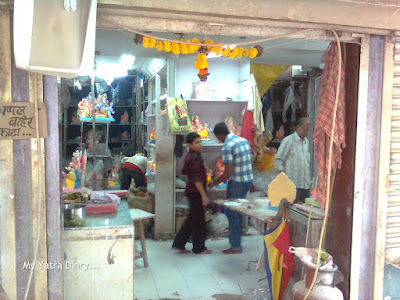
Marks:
<point>17,120</point>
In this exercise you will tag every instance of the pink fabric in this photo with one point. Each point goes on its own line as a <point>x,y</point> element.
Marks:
<point>323,124</point>
<point>248,128</point>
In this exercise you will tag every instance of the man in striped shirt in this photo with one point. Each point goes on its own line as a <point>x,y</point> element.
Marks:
<point>236,156</point>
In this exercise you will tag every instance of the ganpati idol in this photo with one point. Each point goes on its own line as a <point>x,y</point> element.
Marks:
<point>199,128</point>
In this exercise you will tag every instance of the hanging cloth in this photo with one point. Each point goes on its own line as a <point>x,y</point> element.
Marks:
<point>257,112</point>
<point>248,128</point>
<point>323,125</point>
<point>289,103</point>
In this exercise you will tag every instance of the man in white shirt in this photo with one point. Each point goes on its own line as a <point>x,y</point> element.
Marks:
<point>293,158</point>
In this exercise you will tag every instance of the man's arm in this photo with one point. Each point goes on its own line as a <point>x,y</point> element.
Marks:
<point>227,173</point>
<point>281,155</point>
<point>200,188</point>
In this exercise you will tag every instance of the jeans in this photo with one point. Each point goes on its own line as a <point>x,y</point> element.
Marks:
<point>236,190</point>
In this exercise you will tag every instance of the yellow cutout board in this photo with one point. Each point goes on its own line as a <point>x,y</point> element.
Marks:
<point>281,187</point>
<point>17,120</point>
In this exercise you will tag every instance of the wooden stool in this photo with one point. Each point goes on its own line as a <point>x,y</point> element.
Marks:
<point>138,216</point>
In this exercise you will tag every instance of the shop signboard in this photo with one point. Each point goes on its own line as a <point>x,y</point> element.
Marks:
<point>17,120</point>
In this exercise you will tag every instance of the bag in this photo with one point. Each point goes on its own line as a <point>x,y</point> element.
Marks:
<point>178,117</point>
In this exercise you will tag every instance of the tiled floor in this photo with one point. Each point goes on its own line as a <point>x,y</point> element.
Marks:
<point>191,276</point>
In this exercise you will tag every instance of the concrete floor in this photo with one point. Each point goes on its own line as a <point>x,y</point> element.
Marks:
<point>191,276</point>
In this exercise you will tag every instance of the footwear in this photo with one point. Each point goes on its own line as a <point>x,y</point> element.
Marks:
<point>206,252</point>
<point>232,251</point>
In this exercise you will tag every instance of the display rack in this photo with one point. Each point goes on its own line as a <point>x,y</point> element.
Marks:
<point>210,112</point>
<point>117,144</point>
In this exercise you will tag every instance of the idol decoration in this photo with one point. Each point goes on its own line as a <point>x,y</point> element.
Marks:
<point>260,147</point>
<point>220,169</point>
<point>125,118</point>
<point>125,135</point>
<point>113,177</point>
<point>232,125</point>
<point>103,109</point>
<point>209,172</point>
<point>200,129</point>
<point>75,170</point>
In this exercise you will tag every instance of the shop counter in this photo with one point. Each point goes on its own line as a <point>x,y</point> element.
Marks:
<point>99,257</point>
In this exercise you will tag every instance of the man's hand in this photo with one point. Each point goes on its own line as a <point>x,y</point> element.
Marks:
<point>204,200</point>
<point>211,184</point>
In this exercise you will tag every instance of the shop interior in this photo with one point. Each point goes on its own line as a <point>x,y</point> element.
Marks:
<point>129,96</point>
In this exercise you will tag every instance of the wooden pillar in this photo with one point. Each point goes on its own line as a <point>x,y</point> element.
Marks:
<point>7,217</point>
<point>367,167</point>
<point>53,202</point>
<point>22,185</point>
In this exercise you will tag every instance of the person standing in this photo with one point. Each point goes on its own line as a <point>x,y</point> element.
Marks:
<point>293,158</point>
<point>237,158</point>
<point>195,191</point>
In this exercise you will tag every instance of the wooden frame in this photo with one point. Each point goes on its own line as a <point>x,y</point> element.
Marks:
<point>384,168</point>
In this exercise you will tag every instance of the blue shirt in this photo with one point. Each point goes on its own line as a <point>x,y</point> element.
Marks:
<point>236,150</point>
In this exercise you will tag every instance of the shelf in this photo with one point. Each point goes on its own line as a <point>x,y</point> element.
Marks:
<point>72,143</point>
<point>162,98</point>
<point>151,116</point>
<point>121,124</point>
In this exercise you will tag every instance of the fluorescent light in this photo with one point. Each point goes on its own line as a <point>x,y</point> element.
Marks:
<point>108,71</point>
<point>127,61</point>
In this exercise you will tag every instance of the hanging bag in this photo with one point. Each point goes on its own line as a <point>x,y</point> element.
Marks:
<point>178,117</point>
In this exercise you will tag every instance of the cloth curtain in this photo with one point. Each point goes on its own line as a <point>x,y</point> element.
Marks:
<point>323,125</point>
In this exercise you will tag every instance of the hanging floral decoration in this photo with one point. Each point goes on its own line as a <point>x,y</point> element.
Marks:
<point>187,47</point>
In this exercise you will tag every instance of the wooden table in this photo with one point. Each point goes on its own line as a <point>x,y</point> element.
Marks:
<point>138,216</point>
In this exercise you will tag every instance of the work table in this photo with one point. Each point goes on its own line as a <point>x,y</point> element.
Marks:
<point>120,219</point>
<point>105,249</point>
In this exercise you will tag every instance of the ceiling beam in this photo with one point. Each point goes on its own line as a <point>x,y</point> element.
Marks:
<point>141,24</point>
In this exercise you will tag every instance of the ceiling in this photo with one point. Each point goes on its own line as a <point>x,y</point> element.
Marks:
<point>111,44</point>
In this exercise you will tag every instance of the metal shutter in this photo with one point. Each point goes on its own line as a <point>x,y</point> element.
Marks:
<point>393,216</point>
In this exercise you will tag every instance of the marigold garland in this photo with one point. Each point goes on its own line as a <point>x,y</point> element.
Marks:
<point>182,47</point>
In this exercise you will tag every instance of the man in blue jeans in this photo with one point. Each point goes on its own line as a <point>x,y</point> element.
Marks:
<point>236,156</point>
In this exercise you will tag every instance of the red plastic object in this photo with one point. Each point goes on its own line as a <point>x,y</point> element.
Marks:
<point>101,208</point>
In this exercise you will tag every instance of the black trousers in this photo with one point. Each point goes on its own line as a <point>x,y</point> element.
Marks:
<point>301,195</point>
<point>194,225</point>
<point>126,177</point>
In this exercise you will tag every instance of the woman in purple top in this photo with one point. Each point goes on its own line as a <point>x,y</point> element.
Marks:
<point>195,191</point>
